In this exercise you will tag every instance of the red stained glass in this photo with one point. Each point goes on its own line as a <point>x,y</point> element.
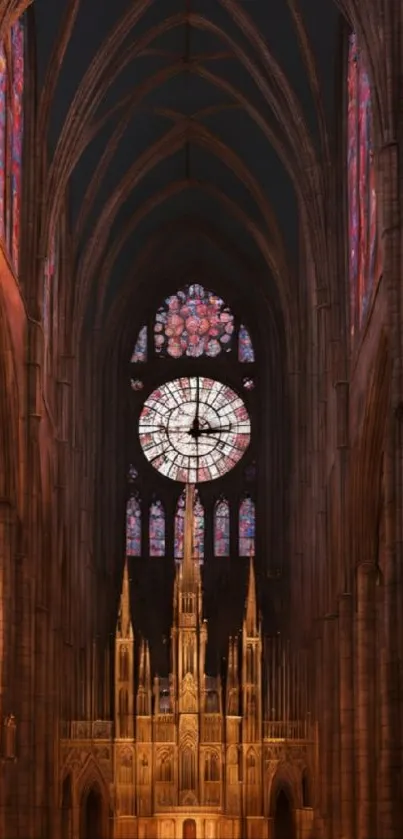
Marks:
<point>246,527</point>
<point>221,528</point>
<point>11,134</point>
<point>3,134</point>
<point>194,322</point>
<point>133,527</point>
<point>17,126</point>
<point>198,535</point>
<point>364,267</point>
<point>157,529</point>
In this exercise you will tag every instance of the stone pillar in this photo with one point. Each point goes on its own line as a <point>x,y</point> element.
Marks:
<point>389,780</point>
<point>331,801</point>
<point>365,630</point>
<point>346,702</point>
<point>7,616</point>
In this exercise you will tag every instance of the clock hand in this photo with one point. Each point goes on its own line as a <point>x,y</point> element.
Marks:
<point>196,422</point>
<point>214,430</point>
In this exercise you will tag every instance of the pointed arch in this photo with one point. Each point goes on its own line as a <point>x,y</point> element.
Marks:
<point>93,813</point>
<point>66,808</point>
<point>246,353</point>
<point>246,527</point>
<point>133,526</point>
<point>139,354</point>
<point>363,239</point>
<point>157,529</point>
<point>221,528</point>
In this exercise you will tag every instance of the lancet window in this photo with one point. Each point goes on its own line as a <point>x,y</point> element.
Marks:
<point>11,136</point>
<point>363,238</point>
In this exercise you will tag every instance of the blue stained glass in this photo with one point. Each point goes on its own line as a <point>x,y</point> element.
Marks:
<point>221,528</point>
<point>245,346</point>
<point>140,350</point>
<point>246,527</point>
<point>133,527</point>
<point>198,535</point>
<point>157,529</point>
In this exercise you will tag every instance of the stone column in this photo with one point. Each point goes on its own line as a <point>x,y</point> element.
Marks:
<point>364,689</point>
<point>346,703</point>
<point>389,779</point>
<point>7,616</point>
<point>330,689</point>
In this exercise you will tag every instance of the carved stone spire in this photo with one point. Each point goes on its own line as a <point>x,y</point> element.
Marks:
<point>124,627</point>
<point>251,623</point>
<point>188,564</point>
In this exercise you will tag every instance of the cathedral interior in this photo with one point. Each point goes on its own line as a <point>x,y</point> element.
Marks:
<point>201,419</point>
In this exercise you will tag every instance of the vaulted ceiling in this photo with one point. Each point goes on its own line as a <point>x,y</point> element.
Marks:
<point>183,131</point>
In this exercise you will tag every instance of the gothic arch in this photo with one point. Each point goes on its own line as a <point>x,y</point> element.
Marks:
<point>284,826</point>
<point>91,778</point>
<point>93,801</point>
<point>286,779</point>
<point>67,805</point>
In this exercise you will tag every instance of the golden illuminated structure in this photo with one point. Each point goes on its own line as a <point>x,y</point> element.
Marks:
<point>185,757</point>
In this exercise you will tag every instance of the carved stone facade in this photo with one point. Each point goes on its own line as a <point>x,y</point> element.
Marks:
<point>184,750</point>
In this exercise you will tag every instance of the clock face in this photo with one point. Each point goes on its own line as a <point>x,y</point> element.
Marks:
<point>194,429</point>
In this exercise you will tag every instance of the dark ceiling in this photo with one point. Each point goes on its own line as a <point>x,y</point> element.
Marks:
<point>175,100</point>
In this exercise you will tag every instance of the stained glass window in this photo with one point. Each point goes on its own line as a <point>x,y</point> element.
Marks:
<point>248,383</point>
<point>140,350</point>
<point>194,429</point>
<point>245,346</point>
<point>157,529</point>
<point>364,265</point>
<point>11,133</point>
<point>3,136</point>
<point>193,322</point>
<point>133,474</point>
<point>198,535</point>
<point>136,384</point>
<point>246,527</point>
<point>17,117</point>
<point>133,527</point>
<point>221,528</point>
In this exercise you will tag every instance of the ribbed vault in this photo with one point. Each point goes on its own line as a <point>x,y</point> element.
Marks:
<point>203,108</point>
<point>187,138</point>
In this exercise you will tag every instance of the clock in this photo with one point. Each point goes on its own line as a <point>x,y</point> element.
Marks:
<point>194,429</point>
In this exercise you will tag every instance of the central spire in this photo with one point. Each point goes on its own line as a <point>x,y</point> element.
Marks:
<point>189,563</point>
<point>251,616</point>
